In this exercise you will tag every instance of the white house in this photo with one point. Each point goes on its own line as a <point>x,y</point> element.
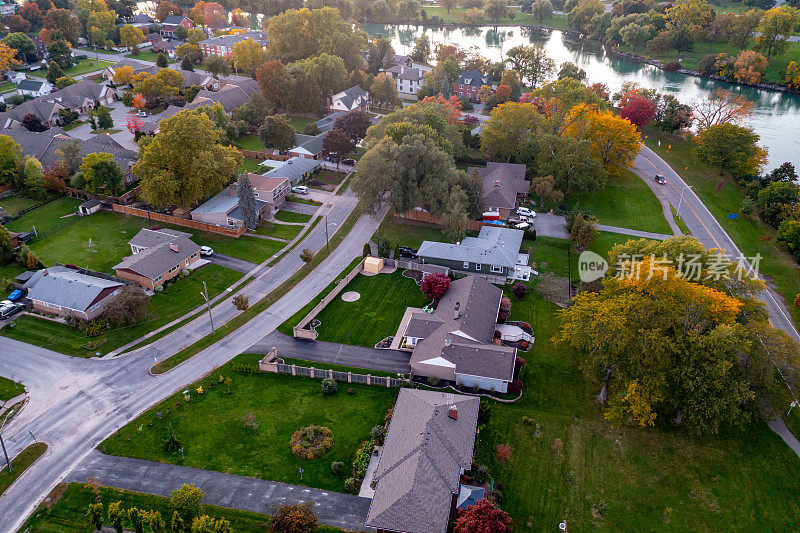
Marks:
<point>34,88</point>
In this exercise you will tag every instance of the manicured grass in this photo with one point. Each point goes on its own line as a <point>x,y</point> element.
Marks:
<point>7,87</point>
<point>9,389</point>
<point>409,233</point>
<point>746,232</point>
<point>375,315</point>
<point>214,437</point>
<point>326,180</point>
<point>279,231</point>
<point>177,299</point>
<point>245,247</point>
<point>251,165</point>
<point>19,464</point>
<point>624,479</point>
<point>299,123</point>
<point>291,216</point>
<point>48,217</point>
<point>66,512</point>
<point>627,202</point>
<point>82,67</point>
<point>148,55</point>
<point>338,368</point>
<point>301,200</point>
<point>524,19</point>
<point>251,142</point>
<point>10,271</point>
<point>15,204</point>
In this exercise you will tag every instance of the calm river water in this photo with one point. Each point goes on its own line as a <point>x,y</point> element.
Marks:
<point>776,116</point>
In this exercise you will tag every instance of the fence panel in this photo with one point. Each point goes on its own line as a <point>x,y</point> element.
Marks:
<point>341,376</point>
<point>169,219</point>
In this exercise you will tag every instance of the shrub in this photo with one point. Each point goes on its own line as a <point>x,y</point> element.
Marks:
<point>435,285</point>
<point>361,460</point>
<point>479,473</point>
<point>311,442</point>
<point>159,288</point>
<point>171,442</point>
<point>296,518</point>
<point>484,411</point>
<point>367,250</point>
<point>329,386</point>
<point>503,453</point>
<point>384,248</point>
<point>336,467</point>
<point>483,516</point>
<point>528,421</point>
<point>241,302</point>
<point>515,387</point>
<point>378,434</point>
<point>519,290</point>
<point>307,255</point>
<point>351,485</point>
<point>433,381</point>
<point>94,513</point>
<point>116,516</point>
<point>672,66</point>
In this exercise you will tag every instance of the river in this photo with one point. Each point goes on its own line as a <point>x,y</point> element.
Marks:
<point>776,115</point>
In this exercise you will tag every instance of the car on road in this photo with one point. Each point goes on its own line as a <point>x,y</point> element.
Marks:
<point>300,189</point>
<point>660,179</point>
<point>350,162</point>
<point>206,251</point>
<point>15,295</point>
<point>141,114</point>
<point>525,212</point>
<point>406,251</point>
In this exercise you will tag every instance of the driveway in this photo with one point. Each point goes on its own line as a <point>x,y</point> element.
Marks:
<point>225,490</point>
<point>548,225</point>
<point>334,353</point>
<point>297,207</point>
<point>234,263</point>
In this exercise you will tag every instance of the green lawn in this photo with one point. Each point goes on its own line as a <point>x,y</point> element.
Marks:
<point>251,165</point>
<point>299,123</point>
<point>625,479</point>
<point>291,216</point>
<point>48,217</point>
<point>326,180</point>
<point>7,87</point>
<point>375,315</point>
<point>213,435</point>
<point>176,300</point>
<point>746,232</point>
<point>9,389</point>
<point>20,463</point>
<point>66,512</point>
<point>409,233</point>
<point>82,67</point>
<point>147,55</point>
<point>15,204</point>
<point>524,19</point>
<point>251,142</point>
<point>245,247</point>
<point>279,231</point>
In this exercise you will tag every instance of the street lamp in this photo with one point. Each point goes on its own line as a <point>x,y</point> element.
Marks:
<point>680,201</point>
<point>204,292</point>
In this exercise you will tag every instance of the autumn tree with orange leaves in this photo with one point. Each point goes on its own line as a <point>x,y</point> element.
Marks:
<point>720,107</point>
<point>674,335</point>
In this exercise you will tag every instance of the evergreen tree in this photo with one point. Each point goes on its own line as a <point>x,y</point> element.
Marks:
<point>161,60</point>
<point>54,72</point>
<point>186,63</point>
<point>247,201</point>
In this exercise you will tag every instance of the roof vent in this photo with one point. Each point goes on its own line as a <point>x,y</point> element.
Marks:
<point>447,342</point>
<point>174,247</point>
<point>456,311</point>
<point>453,412</point>
<point>44,272</point>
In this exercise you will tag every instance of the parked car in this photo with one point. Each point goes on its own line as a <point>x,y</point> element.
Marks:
<point>350,162</point>
<point>9,310</point>
<point>206,251</point>
<point>15,295</point>
<point>525,212</point>
<point>406,251</point>
<point>300,189</point>
<point>141,114</point>
<point>522,225</point>
<point>660,179</point>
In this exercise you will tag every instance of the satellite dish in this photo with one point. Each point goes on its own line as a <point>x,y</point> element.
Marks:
<point>562,526</point>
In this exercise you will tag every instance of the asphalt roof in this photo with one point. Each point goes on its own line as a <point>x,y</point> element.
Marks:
<point>67,287</point>
<point>31,85</point>
<point>148,237</point>
<point>294,168</point>
<point>421,462</point>
<point>326,123</point>
<point>222,202</point>
<point>230,40</point>
<point>173,20</point>
<point>75,95</point>
<point>159,259</point>
<point>493,246</point>
<point>349,96</point>
<point>502,182</point>
<point>473,78</point>
<point>310,143</point>
<point>230,98</point>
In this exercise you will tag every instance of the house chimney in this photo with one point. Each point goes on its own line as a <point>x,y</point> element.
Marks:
<point>44,272</point>
<point>496,183</point>
<point>174,247</point>
<point>402,69</point>
<point>456,311</point>
<point>453,412</point>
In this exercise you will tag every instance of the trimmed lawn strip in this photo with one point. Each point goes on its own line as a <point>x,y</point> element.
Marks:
<point>251,165</point>
<point>66,511</point>
<point>291,216</point>
<point>262,304</point>
<point>375,315</point>
<point>299,123</point>
<point>20,463</point>
<point>775,265</point>
<point>47,218</point>
<point>338,368</point>
<point>15,204</point>
<point>679,221</point>
<point>283,254</point>
<point>327,180</point>
<point>279,231</point>
<point>176,299</point>
<point>148,55</point>
<point>214,437</point>
<point>82,67</point>
<point>300,200</point>
<point>9,389</point>
<point>9,272</point>
<point>245,247</point>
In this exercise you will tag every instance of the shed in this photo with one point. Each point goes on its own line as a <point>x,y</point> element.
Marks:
<point>88,207</point>
<point>373,265</point>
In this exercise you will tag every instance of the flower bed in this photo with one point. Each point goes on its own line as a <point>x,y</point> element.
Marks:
<point>311,442</point>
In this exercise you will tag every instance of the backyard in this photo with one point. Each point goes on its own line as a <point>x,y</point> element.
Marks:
<point>211,429</point>
<point>375,315</point>
<point>14,204</point>
<point>81,67</point>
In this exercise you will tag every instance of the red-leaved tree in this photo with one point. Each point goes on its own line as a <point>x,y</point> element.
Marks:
<point>134,124</point>
<point>139,101</point>
<point>639,110</point>
<point>483,517</point>
<point>503,94</point>
<point>435,285</point>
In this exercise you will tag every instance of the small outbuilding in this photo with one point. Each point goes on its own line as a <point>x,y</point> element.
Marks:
<point>373,265</point>
<point>88,207</point>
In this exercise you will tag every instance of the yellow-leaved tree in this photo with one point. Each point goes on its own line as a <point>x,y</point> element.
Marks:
<point>614,140</point>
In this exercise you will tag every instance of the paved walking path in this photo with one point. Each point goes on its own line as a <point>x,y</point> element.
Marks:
<point>225,490</point>
<point>548,225</point>
<point>8,404</point>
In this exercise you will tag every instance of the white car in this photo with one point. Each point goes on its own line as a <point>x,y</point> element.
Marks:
<point>525,212</point>
<point>206,251</point>
<point>300,189</point>
<point>141,114</point>
<point>522,225</point>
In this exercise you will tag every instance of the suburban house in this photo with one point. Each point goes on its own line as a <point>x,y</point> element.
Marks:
<point>199,78</point>
<point>156,256</point>
<point>223,209</point>
<point>166,47</point>
<point>455,342</point>
<point>430,444</point>
<point>248,85</point>
<point>494,252</point>
<point>66,292</point>
<point>229,96</point>
<point>350,100</point>
<point>109,72</point>
<point>294,170</point>
<point>409,79</point>
<point>308,146</point>
<point>270,190</point>
<point>326,123</point>
<point>84,95</point>
<point>153,38</point>
<point>44,108</point>
<point>222,45</point>
<point>173,21</point>
<point>33,87</point>
<point>504,186</point>
<point>15,76</point>
<point>469,83</point>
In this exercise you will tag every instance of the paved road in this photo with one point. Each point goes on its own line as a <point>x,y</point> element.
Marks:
<point>78,403</point>
<point>234,263</point>
<point>225,490</point>
<point>334,353</point>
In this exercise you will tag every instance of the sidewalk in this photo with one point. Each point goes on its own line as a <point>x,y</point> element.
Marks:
<point>225,490</point>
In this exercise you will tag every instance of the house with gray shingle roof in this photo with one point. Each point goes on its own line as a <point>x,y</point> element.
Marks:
<point>222,45</point>
<point>223,209</point>
<point>504,186</point>
<point>295,170</point>
<point>169,24</point>
<point>137,67</point>
<point>33,87</point>
<point>430,444</point>
<point>157,256</point>
<point>43,107</point>
<point>230,97</point>
<point>469,83</point>
<point>83,95</point>
<point>350,100</point>
<point>494,252</point>
<point>308,146</point>
<point>66,292</point>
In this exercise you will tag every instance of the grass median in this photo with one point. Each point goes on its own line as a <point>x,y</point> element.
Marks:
<point>20,463</point>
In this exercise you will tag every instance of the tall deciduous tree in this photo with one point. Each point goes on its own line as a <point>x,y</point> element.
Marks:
<point>186,501</point>
<point>275,83</point>
<point>166,8</point>
<point>731,148</point>
<point>130,36</point>
<point>383,90</point>
<point>337,144</point>
<point>277,133</point>
<point>614,140</point>
<point>247,55</point>
<point>639,110</point>
<point>64,21</point>
<point>532,63</point>
<point>186,161</point>
<point>354,123</point>
<point>720,107</point>
<point>10,157</point>
<point>775,27</point>
<point>507,129</point>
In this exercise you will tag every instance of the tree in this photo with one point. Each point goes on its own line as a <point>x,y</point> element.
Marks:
<point>34,123</point>
<point>7,59</point>
<point>496,10</point>
<point>482,517</point>
<point>776,25</point>
<point>690,16</point>
<point>130,36</point>
<point>155,522</point>
<point>116,515</point>
<point>571,70</point>
<point>614,141</point>
<point>94,512</point>
<point>792,77</point>
<point>582,228</point>
<point>186,501</point>
<point>408,9</point>
<point>744,26</point>
<point>65,21</point>
<point>6,247</point>
<point>21,43</point>
<point>777,201</point>
<point>542,10</point>
<point>253,112</point>
<point>720,107</point>
<point>275,83</point>
<point>277,132</point>
<point>326,72</point>
<point>186,161</point>
<point>17,24</point>
<point>166,82</point>
<point>195,35</point>
<point>383,90</point>
<point>181,33</point>
<point>166,8</point>
<point>749,67</point>
<point>54,72</point>
<point>784,172</point>
<point>732,149</point>
<point>422,49</point>
<point>247,201</point>
<point>247,55</point>
<point>33,177</point>
<point>60,52</point>
<point>545,188</point>
<point>123,75</point>
<point>633,35</point>
<point>507,130</point>
<point>789,237</point>
<point>162,61</point>
<point>294,518</point>
<point>435,285</point>
<point>101,174</point>
<point>208,524</point>
<point>241,302</point>
<point>186,64</point>
<point>177,523</point>
<point>30,12</point>
<point>337,144</point>
<point>69,152</point>
<point>532,63</point>
<point>579,17</point>
<point>639,110</point>
<point>190,51</point>
<point>128,306</point>
<point>104,120</point>
<point>354,123</point>
<point>10,158</point>
<point>448,4</point>
<point>217,65</point>
<point>137,518</point>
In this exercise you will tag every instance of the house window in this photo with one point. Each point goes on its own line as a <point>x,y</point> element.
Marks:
<point>477,266</point>
<point>497,269</point>
<point>466,264</point>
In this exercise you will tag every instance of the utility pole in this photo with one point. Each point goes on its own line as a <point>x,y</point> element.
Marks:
<point>208,305</point>
<point>91,251</point>
<point>326,234</point>
<point>3,444</point>
<point>680,201</point>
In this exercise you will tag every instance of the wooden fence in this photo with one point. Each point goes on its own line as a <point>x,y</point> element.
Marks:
<point>424,216</point>
<point>185,222</point>
<point>264,155</point>
<point>126,198</point>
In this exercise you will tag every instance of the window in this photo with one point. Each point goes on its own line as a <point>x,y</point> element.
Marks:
<point>466,264</point>
<point>497,269</point>
<point>477,266</point>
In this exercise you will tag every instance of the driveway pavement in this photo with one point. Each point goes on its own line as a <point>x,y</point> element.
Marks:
<point>297,207</point>
<point>548,225</point>
<point>225,490</point>
<point>334,353</point>
<point>234,263</point>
